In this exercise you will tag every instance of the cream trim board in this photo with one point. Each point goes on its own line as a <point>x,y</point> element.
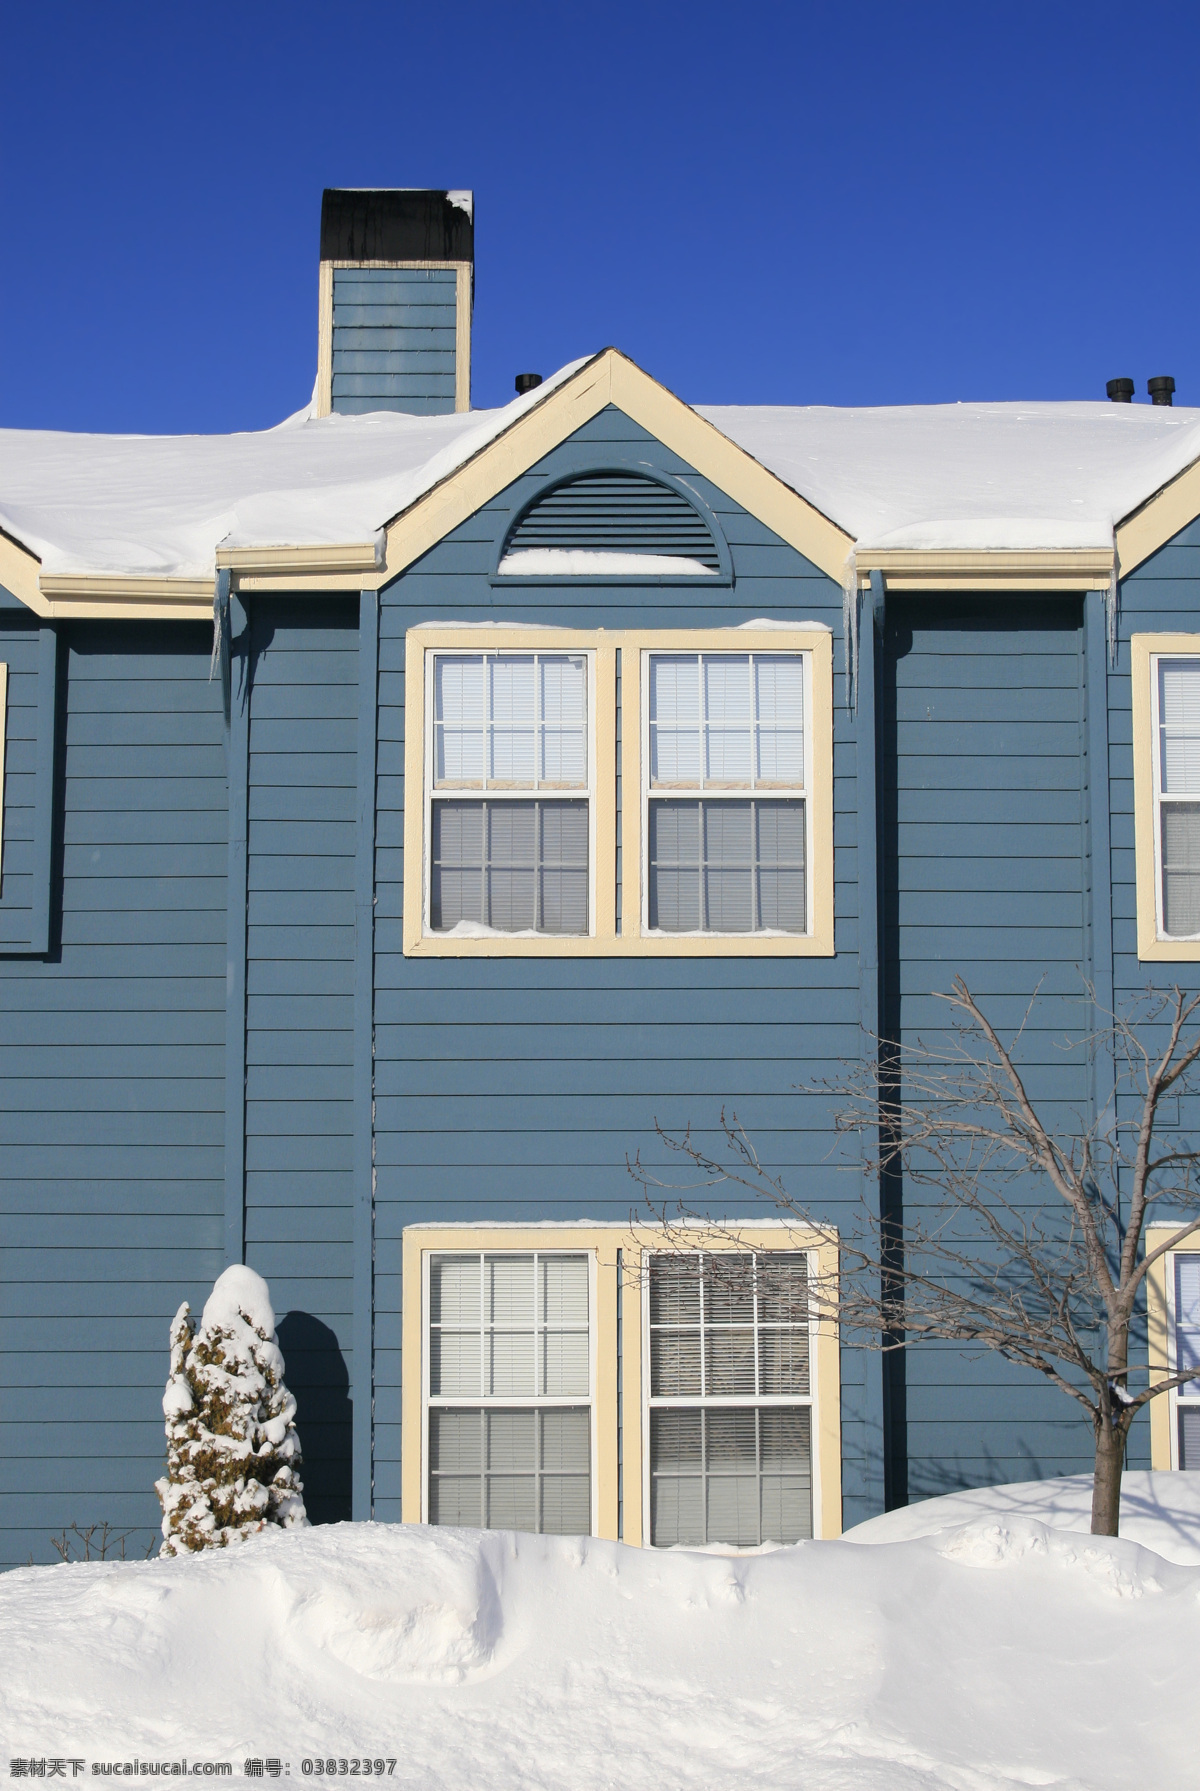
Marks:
<point>1160,1320</point>
<point>324,404</point>
<point>463,272</point>
<point>998,570</point>
<point>604,940</point>
<point>351,556</point>
<point>610,378</point>
<point>628,1244</point>
<point>1158,520</point>
<point>19,574</point>
<point>1145,650</point>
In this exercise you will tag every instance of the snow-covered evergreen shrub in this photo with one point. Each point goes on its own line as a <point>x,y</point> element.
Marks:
<point>232,1447</point>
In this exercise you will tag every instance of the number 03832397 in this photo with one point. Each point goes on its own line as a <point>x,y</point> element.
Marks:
<point>358,1768</point>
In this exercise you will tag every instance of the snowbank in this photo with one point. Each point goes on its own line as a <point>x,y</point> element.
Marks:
<point>1001,1654</point>
<point>1160,1511</point>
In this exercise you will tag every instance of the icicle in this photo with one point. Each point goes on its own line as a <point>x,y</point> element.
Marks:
<point>850,628</point>
<point>1112,608</point>
<point>215,656</point>
<point>222,645</point>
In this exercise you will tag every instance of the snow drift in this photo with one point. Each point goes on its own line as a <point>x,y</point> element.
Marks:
<point>1001,1653</point>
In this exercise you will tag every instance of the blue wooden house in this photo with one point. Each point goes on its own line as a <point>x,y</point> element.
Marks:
<point>560,772</point>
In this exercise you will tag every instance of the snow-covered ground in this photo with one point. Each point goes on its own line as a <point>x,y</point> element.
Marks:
<point>1161,1511</point>
<point>1000,1652</point>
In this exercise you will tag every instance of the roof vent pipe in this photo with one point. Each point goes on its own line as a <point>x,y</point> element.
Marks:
<point>1160,389</point>
<point>526,382</point>
<point>1120,390</point>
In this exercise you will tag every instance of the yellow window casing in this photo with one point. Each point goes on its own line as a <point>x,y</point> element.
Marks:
<point>1160,1318</point>
<point>633,940</point>
<point>1153,946</point>
<point>617,1251</point>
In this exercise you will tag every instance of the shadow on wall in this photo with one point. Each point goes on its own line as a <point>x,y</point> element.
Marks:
<point>316,1373</point>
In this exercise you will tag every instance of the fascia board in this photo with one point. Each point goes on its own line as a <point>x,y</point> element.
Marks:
<point>1069,569</point>
<point>352,556</point>
<point>1158,520</point>
<point>19,574</point>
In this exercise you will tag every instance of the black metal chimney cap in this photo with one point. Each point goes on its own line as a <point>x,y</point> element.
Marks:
<point>527,382</point>
<point>396,224</point>
<point>1160,389</point>
<point>1121,390</point>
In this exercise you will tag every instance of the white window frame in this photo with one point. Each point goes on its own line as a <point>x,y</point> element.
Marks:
<point>739,1400</point>
<point>510,1402</point>
<point>1190,1396</point>
<point>550,793</point>
<point>759,649</point>
<point>1156,659</point>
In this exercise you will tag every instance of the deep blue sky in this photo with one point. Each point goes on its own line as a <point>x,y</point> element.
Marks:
<point>761,203</point>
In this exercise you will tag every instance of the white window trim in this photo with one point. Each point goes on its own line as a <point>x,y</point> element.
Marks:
<point>532,794</point>
<point>1156,660</point>
<point>1190,1396</point>
<point>699,792</point>
<point>811,1399</point>
<point>494,1402</point>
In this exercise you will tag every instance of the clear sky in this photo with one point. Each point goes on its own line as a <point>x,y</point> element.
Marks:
<point>761,203</point>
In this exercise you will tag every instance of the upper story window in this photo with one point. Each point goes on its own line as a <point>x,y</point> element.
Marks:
<point>510,810</point>
<point>726,815</point>
<point>618,792</point>
<point>508,1404</point>
<point>1177,794</point>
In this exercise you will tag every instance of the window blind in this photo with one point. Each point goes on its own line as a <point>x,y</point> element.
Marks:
<point>722,722</point>
<point>1179,780</point>
<point>726,1330</point>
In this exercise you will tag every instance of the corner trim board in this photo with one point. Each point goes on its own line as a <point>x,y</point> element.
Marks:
<point>363,1347</point>
<point>235,950</point>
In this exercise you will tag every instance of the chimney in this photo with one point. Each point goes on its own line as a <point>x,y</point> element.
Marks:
<point>396,289</point>
<point>1160,389</point>
<point>1120,391</point>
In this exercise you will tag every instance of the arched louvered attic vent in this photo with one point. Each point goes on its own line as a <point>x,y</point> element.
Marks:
<point>611,523</point>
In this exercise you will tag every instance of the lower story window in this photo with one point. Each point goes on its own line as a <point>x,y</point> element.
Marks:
<point>511,1469</point>
<point>730,1397</point>
<point>508,1374</point>
<point>726,867</point>
<point>515,867</point>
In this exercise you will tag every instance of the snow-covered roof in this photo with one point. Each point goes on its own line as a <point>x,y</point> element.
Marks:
<point>970,477</point>
<point>950,476</point>
<point>155,505</point>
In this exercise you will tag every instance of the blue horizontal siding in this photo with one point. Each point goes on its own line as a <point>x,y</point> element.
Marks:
<point>299,992</point>
<point>111,1084</point>
<point>394,340</point>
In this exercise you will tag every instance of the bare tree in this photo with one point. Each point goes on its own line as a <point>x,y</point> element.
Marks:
<point>1010,1235</point>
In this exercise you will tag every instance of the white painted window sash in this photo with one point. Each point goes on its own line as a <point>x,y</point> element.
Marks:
<point>483,792</point>
<point>716,791</point>
<point>1162,798</point>
<point>508,1402</point>
<point>701,1402</point>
